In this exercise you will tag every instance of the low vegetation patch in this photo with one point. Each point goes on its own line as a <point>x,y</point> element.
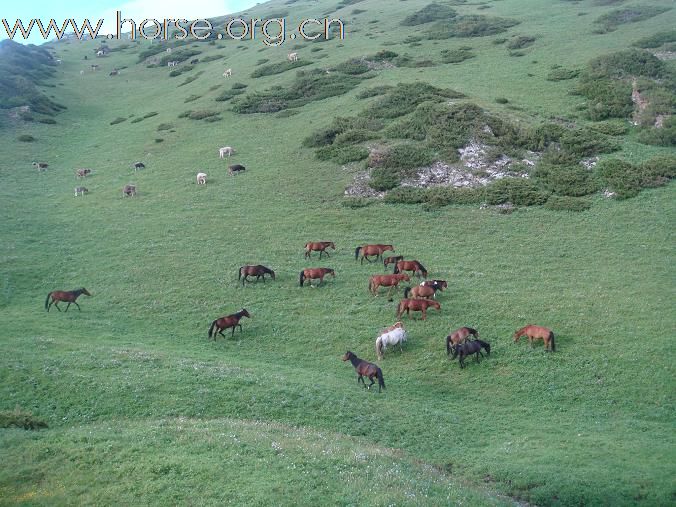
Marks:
<point>471,26</point>
<point>626,180</point>
<point>656,40</point>
<point>433,12</point>
<point>612,20</point>
<point>562,74</point>
<point>278,68</point>
<point>26,138</point>
<point>117,120</point>
<point>563,203</point>
<point>19,418</point>
<point>520,42</point>
<point>456,55</point>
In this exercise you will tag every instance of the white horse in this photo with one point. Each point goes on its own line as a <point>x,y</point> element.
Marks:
<point>394,337</point>
<point>201,178</point>
<point>226,150</point>
<point>292,57</point>
<point>82,72</point>
<point>227,73</point>
<point>100,53</point>
<point>80,191</point>
<point>172,63</point>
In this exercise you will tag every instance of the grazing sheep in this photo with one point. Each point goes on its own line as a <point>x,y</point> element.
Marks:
<point>226,150</point>
<point>292,57</point>
<point>201,178</point>
<point>82,173</point>
<point>80,191</point>
<point>129,190</point>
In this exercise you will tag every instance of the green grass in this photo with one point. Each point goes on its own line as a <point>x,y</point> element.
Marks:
<point>142,408</point>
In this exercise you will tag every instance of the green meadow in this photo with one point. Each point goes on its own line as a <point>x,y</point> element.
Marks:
<point>129,401</point>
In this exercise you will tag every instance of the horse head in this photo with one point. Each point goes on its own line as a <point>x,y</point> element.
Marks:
<point>85,291</point>
<point>516,336</point>
<point>347,356</point>
<point>332,245</point>
<point>244,313</point>
<point>405,277</point>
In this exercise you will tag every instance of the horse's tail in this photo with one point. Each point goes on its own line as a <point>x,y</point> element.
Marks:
<point>302,278</point>
<point>406,291</point>
<point>239,273</point>
<point>47,302</point>
<point>551,338</point>
<point>379,347</point>
<point>381,380</point>
<point>370,284</point>
<point>356,253</point>
<point>448,345</point>
<point>423,270</point>
<point>213,325</point>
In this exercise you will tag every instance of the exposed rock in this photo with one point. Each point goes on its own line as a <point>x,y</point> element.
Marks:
<point>360,187</point>
<point>608,194</point>
<point>589,163</point>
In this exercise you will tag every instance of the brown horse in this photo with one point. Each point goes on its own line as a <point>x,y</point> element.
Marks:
<point>459,336</point>
<point>319,246</point>
<point>66,296</point>
<point>367,250</point>
<point>435,284</point>
<point>533,332</point>
<point>390,281</point>
<point>414,266</point>
<point>419,292</point>
<point>417,305</point>
<point>258,271</point>
<point>365,369</point>
<point>397,325</point>
<point>314,273</point>
<point>392,260</point>
<point>226,322</point>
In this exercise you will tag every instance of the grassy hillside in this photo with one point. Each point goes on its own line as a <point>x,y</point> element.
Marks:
<point>142,408</point>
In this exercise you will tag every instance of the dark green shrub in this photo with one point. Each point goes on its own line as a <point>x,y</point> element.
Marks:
<point>137,120</point>
<point>564,203</point>
<point>353,67</point>
<point>342,154</point>
<point>354,136</point>
<point>238,86</point>
<point>444,196</point>
<point>26,138</point>
<point>471,26</point>
<point>406,156</point>
<point>456,55</point>
<point>201,115</point>
<point>383,179</point>
<point>159,140</point>
<point>610,21</point>
<point>611,127</point>
<point>568,180</point>
<point>621,177</point>
<point>278,68</point>
<point>191,98</point>
<point>117,120</point>
<point>189,79</point>
<point>150,114</point>
<point>48,121</point>
<point>374,92</point>
<point>501,100</point>
<point>406,195</point>
<point>562,74</point>
<point>431,12</point>
<point>356,202</point>
<point>656,40</point>
<point>18,418</point>
<point>228,94</point>
<point>584,142</point>
<point>164,126</point>
<point>658,170</point>
<point>405,97</point>
<point>518,191</point>
<point>664,136</point>
<point>520,42</point>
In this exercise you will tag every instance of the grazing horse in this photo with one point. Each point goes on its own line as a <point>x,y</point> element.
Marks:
<point>235,168</point>
<point>365,369</point>
<point>65,296</point>
<point>201,178</point>
<point>129,191</point>
<point>435,284</point>
<point>468,348</point>
<point>81,191</point>
<point>41,166</point>
<point>390,281</point>
<point>314,273</point>
<point>227,73</point>
<point>172,63</point>
<point>194,61</point>
<point>258,271</point>
<point>459,336</point>
<point>292,57</point>
<point>414,266</point>
<point>114,72</point>
<point>533,332</point>
<point>139,165</point>
<point>82,173</point>
<point>419,292</point>
<point>226,322</point>
<point>392,260</point>
<point>417,305</point>
<point>396,325</point>
<point>395,337</point>
<point>226,150</point>
<point>367,250</point>
<point>318,246</point>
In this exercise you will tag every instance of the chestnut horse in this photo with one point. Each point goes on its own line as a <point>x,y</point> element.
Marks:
<point>258,271</point>
<point>226,322</point>
<point>417,305</point>
<point>365,369</point>
<point>319,246</point>
<point>459,336</point>
<point>392,260</point>
<point>419,292</point>
<point>533,332</point>
<point>65,296</point>
<point>390,281</point>
<point>367,250</point>
<point>414,266</point>
<point>314,273</point>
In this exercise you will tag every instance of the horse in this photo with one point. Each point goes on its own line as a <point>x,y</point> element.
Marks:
<point>226,322</point>
<point>81,191</point>
<point>292,57</point>
<point>417,305</point>
<point>365,369</point>
<point>139,165</point>
<point>227,73</point>
<point>468,348</point>
<point>194,61</point>
<point>392,260</point>
<point>65,296</point>
<point>172,63</point>
<point>396,325</point>
<point>390,281</point>
<point>129,190</point>
<point>414,266</point>
<point>235,168</point>
<point>201,178</point>
<point>318,246</point>
<point>40,166</point>
<point>435,284</point>
<point>82,72</point>
<point>314,273</point>
<point>533,332</point>
<point>367,250</point>
<point>82,173</point>
<point>459,336</point>
<point>94,67</point>
<point>114,72</point>
<point>258,271</point>
<point>225,150</point>
<point>419,292</point>
<point>395,337</point>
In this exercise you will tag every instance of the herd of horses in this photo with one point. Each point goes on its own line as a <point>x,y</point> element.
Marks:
<point>461,343</point>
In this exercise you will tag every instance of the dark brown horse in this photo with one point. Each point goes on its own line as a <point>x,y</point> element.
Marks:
<point>417,305</point>
<point>390,281</point>
<point>315,273</point>
<point>468,348</point>
<point>258,271</point>
<point>419,292</point>
<point>235,168</point>
<point>533,332</point>
<point>226,322</point>
<point>365,369</point>
<point>414,266</point>
<point>318,246</point>
<point>392,260</point>
<point>370,250</point>
<point>65,296</point>
<point>459,336</point>
<point>435,284</point>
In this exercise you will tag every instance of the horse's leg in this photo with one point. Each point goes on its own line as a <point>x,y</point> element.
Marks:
<point>530,341</point>
<point>78,306</point>
<point>361,379</point>
<point>372,381</point>
<point>67,306</point>
<point>424,313</point>
<point>220,331</point>
<point>240,327</point>
<point>56,304</point>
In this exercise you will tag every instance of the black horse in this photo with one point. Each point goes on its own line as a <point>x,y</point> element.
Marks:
<point>462,350</point>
